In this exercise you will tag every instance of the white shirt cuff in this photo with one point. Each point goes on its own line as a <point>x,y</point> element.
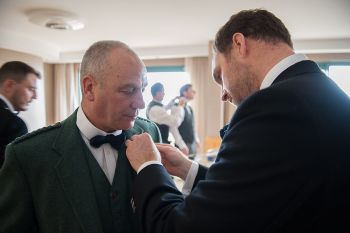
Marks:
<point>149,163</point>
<point>191,176</point>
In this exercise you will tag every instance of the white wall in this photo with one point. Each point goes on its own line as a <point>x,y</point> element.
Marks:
<point>35,115</point>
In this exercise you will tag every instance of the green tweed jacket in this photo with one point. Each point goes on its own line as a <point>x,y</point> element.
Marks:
<point>45,181</point>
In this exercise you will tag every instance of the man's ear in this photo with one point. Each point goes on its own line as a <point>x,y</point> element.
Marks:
<point>239,44</point>
<point>88,87</point>
<point>8,85</point>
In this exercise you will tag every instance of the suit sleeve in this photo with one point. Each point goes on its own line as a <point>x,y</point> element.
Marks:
<point>11,128</point>
<point>202,171</point>
<point>16,128</point>
<point>258,180</point>
<point>17,212</point>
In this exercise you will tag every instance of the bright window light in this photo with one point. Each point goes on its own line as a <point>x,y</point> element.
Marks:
<point>172,82</point>
<point>340,75</point>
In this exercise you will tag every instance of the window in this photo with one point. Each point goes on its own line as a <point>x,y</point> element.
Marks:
<point>172,78</point>
<point>339,73</point>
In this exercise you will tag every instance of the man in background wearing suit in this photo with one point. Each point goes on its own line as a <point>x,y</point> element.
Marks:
<point>284,161</point>
<point>74,176</point>
<point>17,90</point>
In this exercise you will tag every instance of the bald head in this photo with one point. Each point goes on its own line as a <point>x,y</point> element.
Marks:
<point>96,61</point>
<point>112,80</point>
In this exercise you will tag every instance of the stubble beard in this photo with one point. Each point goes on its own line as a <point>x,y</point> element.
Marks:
<point>244,85</point>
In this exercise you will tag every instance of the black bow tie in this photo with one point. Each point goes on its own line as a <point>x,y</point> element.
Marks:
<point>115,141</point>
<point>223,131</point>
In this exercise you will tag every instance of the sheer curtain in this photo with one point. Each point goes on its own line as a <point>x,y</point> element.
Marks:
<point>66,95</point>
<point>198,69</point>
<point>211,114</point>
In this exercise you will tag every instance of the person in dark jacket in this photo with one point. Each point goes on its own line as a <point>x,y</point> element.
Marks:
<point>284,161</point>
<point>18,83</point>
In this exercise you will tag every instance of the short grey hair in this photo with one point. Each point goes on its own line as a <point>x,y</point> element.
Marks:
<point>95,60</point>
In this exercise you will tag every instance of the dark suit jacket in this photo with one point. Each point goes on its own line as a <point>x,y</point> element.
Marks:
<point>283,166</point>
<point>46,184</point>
<point>11,127</point>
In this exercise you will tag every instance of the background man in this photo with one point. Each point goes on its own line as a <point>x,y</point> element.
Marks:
<point>283,165</point>
<point>74,176</point>
<point>187,126</point>
<point>166,122</point>
<point>17,90</point>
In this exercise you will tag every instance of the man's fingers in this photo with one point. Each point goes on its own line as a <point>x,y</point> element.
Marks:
<point>127,142</point>
<point>163,147</point>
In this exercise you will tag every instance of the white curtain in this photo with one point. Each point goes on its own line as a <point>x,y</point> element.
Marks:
<point>198,69</point>
<point>66,90</point>
<point>211,114</point>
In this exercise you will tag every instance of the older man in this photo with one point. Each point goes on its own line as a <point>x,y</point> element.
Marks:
<point>74,176</point>
<point>283,165</point>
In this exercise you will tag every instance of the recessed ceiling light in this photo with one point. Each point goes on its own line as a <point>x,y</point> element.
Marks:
<point>55,19</point>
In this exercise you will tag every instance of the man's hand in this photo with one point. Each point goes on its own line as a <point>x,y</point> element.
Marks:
<point>141,149</point>
<point>198,146</point>
<point>182,101</point>
<point>176,163</point>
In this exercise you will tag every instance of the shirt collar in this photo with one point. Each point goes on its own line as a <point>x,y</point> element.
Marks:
<point>157,101</point>
<point>280,67</point>
<point>8,103</point>
<point>87,128</point>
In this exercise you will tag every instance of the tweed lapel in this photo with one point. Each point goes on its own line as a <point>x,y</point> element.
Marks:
<point>134,130</point>
<point>74,175</point>
<point>129,133</point>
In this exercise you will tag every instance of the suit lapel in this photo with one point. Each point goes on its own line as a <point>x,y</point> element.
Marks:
<point>3,104</point>
<point>74,175</point>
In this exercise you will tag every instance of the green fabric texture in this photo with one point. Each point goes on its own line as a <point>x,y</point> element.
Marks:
<point>114,200</point>
<point>47,184</point>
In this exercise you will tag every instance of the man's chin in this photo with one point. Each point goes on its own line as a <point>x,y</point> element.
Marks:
<point>129,125</point>
<point>21,109</point>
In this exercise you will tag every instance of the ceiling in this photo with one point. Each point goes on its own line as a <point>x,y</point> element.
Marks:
<point>167,28</point>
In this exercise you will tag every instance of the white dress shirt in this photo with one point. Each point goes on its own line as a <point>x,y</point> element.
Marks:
<point>8,103</point>
<point>160,115</point>
<point>105,155</point>
<point>280,67</point>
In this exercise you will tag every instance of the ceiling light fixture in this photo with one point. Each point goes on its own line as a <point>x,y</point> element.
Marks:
<point>55,19</point>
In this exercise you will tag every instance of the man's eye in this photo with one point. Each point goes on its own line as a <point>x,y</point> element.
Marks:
<point>128,90</point>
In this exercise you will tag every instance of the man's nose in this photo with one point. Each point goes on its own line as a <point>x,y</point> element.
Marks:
<point>34,95</point>
<point>139,103</point>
